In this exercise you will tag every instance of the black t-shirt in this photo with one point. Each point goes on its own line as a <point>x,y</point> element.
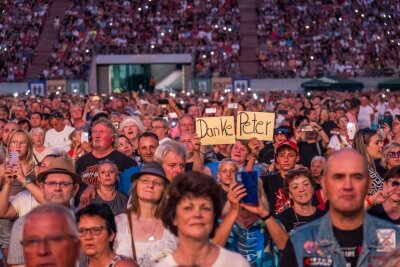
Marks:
<point>290,222</point>
<point>349,241</point>
<point>188,166</point>
<point>86,166</point>
<point>328,126</point>
<point>267,154</point>
<point>273,188</point>
<point>379,211</point>
<point>308,151</point>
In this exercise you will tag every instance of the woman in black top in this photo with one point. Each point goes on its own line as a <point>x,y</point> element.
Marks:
<point>389,209</point>
<point>300,187</point>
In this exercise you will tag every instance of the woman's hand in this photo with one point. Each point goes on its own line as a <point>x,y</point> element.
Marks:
<point>10,174</point>
<point>255,147</point>
<point>196,143</point>
<point>381,196</point>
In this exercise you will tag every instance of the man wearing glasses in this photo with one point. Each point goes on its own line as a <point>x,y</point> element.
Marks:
<point>50,237</point>
<point>59,184</point>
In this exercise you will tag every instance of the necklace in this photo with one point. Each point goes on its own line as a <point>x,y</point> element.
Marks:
<point>150,236</point>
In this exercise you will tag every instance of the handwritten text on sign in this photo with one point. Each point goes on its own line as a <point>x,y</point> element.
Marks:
<point>255,124</point>
<point>216,130</point>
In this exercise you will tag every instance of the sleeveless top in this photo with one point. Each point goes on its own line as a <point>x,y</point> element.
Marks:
<point>116,259</point>
<point>148,253</point>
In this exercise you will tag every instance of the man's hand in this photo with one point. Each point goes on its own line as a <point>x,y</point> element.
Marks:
<point>89,193</point>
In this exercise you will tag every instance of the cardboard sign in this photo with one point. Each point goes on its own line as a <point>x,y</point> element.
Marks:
<point>255,124</point>
<point>216,130</point>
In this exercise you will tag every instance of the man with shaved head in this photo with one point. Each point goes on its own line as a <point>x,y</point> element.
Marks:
<point>346,236</point>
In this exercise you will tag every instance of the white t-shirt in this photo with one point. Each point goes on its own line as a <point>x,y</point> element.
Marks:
<point>364,117</point>
<point>41,155</point>
<point>335,144</point>
<point>394,112</point>
<point>225,258</point>
<point>59,141</point>
<point>24,202</point>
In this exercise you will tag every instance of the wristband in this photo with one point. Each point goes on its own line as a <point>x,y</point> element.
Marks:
<point>369,202</point>
<point>266,217</point>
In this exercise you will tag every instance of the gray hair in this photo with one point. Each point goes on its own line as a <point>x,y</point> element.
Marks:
<point>66,214</point>
<point>108,124</point>
<point>388,148</point>
<point>167,147</point>
<point>135,120</point>
<point>164,121</point>
<point>36,129</point>
<point>318,158</point>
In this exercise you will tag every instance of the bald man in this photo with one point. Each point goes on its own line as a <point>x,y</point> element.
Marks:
<point>346,235</point>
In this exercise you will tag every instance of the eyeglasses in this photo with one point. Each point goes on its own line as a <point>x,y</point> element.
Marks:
<point>394,154</point>
<point>55,184</point>
<point>32,244</point>
<point>15,143</point>
<point>147,181</point>
<point>394,183</point>
<point>92,230</point>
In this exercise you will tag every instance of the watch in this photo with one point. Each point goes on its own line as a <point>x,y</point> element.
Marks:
<point>26,182</point>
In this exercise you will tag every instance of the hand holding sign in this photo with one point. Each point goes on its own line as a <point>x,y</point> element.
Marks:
<point>255,124</point>
<point>215,130</point>
<point>196,143</point>
<point>254,146</point>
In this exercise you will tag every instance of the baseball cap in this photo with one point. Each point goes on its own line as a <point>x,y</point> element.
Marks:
<point>288,143</point>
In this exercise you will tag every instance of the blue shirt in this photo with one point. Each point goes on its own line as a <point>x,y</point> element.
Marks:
<point>124,184</point>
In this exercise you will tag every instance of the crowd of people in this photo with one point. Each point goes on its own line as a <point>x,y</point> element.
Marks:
<point>209,31</point>
<point>21,23</point>
<point>144,191</point>
<point>319,38</point>
<point>308,39</point>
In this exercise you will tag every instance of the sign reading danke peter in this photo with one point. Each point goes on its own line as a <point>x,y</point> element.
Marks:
<point>255,124</point>
<point>216,130</point>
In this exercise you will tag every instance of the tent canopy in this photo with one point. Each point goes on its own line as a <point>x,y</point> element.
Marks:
<point>390,84</point>
<point>332,83</point>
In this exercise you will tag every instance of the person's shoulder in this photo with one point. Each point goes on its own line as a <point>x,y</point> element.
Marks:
<point>85,158</point>
<point>381,223</point>
<point>115,154</point>
<point>231,257</point>
<point>311,227</point>
<point>125,263</point>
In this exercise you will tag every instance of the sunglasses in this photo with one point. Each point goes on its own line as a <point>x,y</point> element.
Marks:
<point>394,154</point>
<point>282,130</point>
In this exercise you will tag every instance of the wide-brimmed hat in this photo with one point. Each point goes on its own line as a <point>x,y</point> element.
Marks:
<point>60,165</point>
<point>153,168</point>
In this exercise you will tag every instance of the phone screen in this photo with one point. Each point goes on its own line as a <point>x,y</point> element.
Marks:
<point>84,137</point>
<point>14,158</point>
<point>250,183</point>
